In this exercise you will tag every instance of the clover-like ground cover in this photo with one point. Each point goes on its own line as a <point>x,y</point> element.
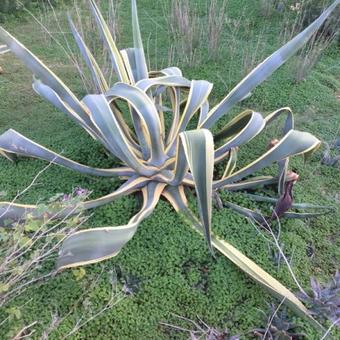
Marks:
<point>176,272</point>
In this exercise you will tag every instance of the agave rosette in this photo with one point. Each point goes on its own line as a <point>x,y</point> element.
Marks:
<point>159,160</point>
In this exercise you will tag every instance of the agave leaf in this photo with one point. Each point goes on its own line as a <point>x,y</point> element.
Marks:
<point>175,97</point>
<point>289,122</point>
<point>302,215</point>
<point>262,277</point>
<point>94,245</point>
<point>50,95</point>
<point>199,92</point>
<point>246,212</point>
<point>130,134</point>
<point>254,182</point>
<point>4,49</point>
<point>176,81</point>
<point>231,165</point>
<point>13,142</point>
<point>140,62</point>
<point>10,156</point>
<point>266,68</point>
<point>41,71</point>
<point>258,217</point>
<point>254,126</point>
<point>148,116</point>
<point>129,59</point>
<point>89,59</point>
<point>289,125</point>
<point>176,197</point>
<point>15,212</point>
<point>204,112</point>
<point>235,125</point>
<point>133,184</point>
<point>115,56</point>
<point>259,198</point>
<point>198,95</point>
<point>117,141</point>
<point>181,162</point>
<point>294,143</point>
<point>198,146</point>
<point>10,211</point>
<point>169,71</point>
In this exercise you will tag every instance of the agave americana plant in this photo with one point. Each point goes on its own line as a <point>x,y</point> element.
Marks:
<point>160,161</point>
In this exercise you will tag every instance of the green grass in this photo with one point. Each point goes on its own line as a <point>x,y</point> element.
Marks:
<point>176,273</point>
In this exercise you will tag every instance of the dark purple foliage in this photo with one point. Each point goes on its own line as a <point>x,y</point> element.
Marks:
<point>325,301</point>
<point>286,200</point>
<point>278,327</point>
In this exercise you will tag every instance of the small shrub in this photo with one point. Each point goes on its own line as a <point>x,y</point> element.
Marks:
<point>27,248</point>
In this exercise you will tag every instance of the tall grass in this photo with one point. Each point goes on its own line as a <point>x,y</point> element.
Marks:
<point>56,30</point>
<point>215,24</point>
<point>185,29</point>
<point>308,57</point>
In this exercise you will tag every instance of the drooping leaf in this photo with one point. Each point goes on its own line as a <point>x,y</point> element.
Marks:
<point>294,143</point>
<point>289,125</point>
<point>13,142</point>
<point>148,116</point>
<point>253,127</point>
<point>177,198</point>
<point>41,71</point>
<point>259,198</point>
<point>94,245</point>
<point>115,137</point>
<point>50,95</point>
<point>199,92</point>
<point>129,59</point>
<point>176,81</point>
<point>11,212</point>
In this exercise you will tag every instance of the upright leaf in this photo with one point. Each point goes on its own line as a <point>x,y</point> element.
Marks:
<point>97,75</point>
<point>141,67</point>
<point>115,56</point>
<point>265,69</point>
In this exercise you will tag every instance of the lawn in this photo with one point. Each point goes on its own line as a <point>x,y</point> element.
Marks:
<point>167,264</point>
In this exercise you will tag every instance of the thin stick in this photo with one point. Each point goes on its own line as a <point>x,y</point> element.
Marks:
<point>272,317</point>
<point>330,328</point>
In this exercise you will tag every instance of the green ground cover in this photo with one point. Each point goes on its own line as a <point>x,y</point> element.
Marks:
<point>175,272</point>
